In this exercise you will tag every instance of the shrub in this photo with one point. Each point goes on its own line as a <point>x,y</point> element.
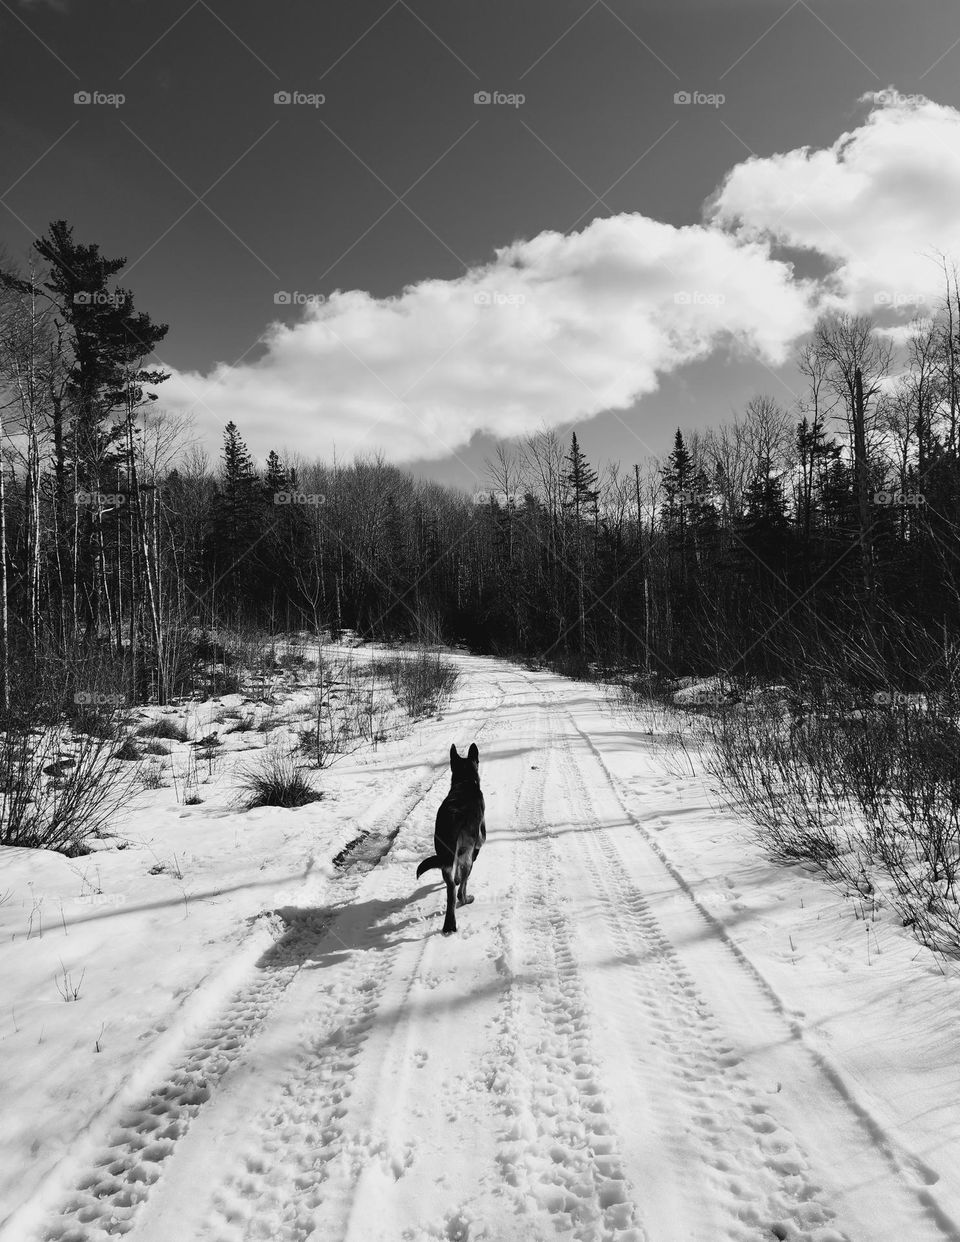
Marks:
<point>422,683</point>
<point>223,681</point>
<point>166,728</point>
<point>209,649</point>
<point>317,744</point>
<point>784,779</point>
<point>95,725</point>
<point>151,776</point>
<point>853,787</point>
<point>571,664</point>
<point>292,661</point>
<point>48,802</point>
<point>128,749</point>
<point>278,780</point>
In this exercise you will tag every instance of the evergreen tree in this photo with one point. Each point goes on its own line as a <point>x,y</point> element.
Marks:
<point>277,477</point>
<point>240,517</point>
<point>108,341</point>
<point>580,495</point>
<point>105,342</point>
<point>677,475</point>
<point>580,482</point>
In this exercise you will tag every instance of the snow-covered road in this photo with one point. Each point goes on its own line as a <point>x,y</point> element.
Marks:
<point>617,1044</point>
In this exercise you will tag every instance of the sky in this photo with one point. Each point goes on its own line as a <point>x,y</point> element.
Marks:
<point>418,227</point>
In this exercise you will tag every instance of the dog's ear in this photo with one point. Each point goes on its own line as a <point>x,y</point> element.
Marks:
<point>454,756</point>
<point>473,754</point>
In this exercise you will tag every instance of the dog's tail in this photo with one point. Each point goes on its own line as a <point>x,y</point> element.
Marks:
<point>427,865</point>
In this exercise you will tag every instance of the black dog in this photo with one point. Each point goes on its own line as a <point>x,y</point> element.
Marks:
<point>460,831</point>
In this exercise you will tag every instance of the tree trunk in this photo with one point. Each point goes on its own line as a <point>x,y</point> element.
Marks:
<point>863,499</point>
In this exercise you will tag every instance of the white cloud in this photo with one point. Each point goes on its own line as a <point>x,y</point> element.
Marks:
<point>572,325</point>
<point>588,322</point>
<point>880,204</point>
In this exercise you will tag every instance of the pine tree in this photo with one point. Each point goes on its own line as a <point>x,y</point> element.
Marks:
<point>240,517</point>
<point>677,478</point>
<point>277,477</point>
<point>108,341</point>
<point>580,481</point>
<point>105,343</point>
<point>580,495</point>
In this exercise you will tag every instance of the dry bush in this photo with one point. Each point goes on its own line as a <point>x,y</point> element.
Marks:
<point>860,785</point>
<point>783,777</point>
<point>59,788</point>
<point>165,728</point>
<point>277,780</point>
<point>422,683</point>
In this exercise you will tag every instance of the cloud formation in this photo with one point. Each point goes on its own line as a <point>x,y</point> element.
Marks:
<point>563,327</point>
<point>556,328</point>
<point>879,204</point>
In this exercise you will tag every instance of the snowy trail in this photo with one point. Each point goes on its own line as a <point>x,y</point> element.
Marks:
<point>591,1057</point>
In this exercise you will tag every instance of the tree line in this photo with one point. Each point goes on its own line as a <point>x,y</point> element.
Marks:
<point>822,532</point>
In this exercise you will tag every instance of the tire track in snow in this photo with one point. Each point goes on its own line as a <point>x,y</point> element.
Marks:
<point>108,1196</point>
<point>909,1173</point>
<point>758,1174</point>
<point>558,1151</point>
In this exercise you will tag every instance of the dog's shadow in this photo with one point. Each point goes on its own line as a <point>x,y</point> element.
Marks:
<point>314,937</point>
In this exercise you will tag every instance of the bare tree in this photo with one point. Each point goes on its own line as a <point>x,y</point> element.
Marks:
<point>858,363</point>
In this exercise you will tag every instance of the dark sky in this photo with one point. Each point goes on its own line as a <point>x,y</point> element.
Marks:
<point>302,198</point>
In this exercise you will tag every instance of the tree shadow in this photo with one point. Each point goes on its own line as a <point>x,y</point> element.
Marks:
<point>116,910</point>
<point>486,758</point>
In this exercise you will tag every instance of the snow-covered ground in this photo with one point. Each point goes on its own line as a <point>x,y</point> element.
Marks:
<point>642,1030</point>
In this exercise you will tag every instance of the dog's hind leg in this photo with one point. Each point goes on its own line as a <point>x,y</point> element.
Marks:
<point>450,922</point>
<point>462,898</point>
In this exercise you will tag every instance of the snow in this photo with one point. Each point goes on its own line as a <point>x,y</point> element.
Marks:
<point>644,1030</point>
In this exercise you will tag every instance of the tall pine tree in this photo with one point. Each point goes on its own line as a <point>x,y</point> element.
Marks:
<point>580,497</point>
<point>240,519</point>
